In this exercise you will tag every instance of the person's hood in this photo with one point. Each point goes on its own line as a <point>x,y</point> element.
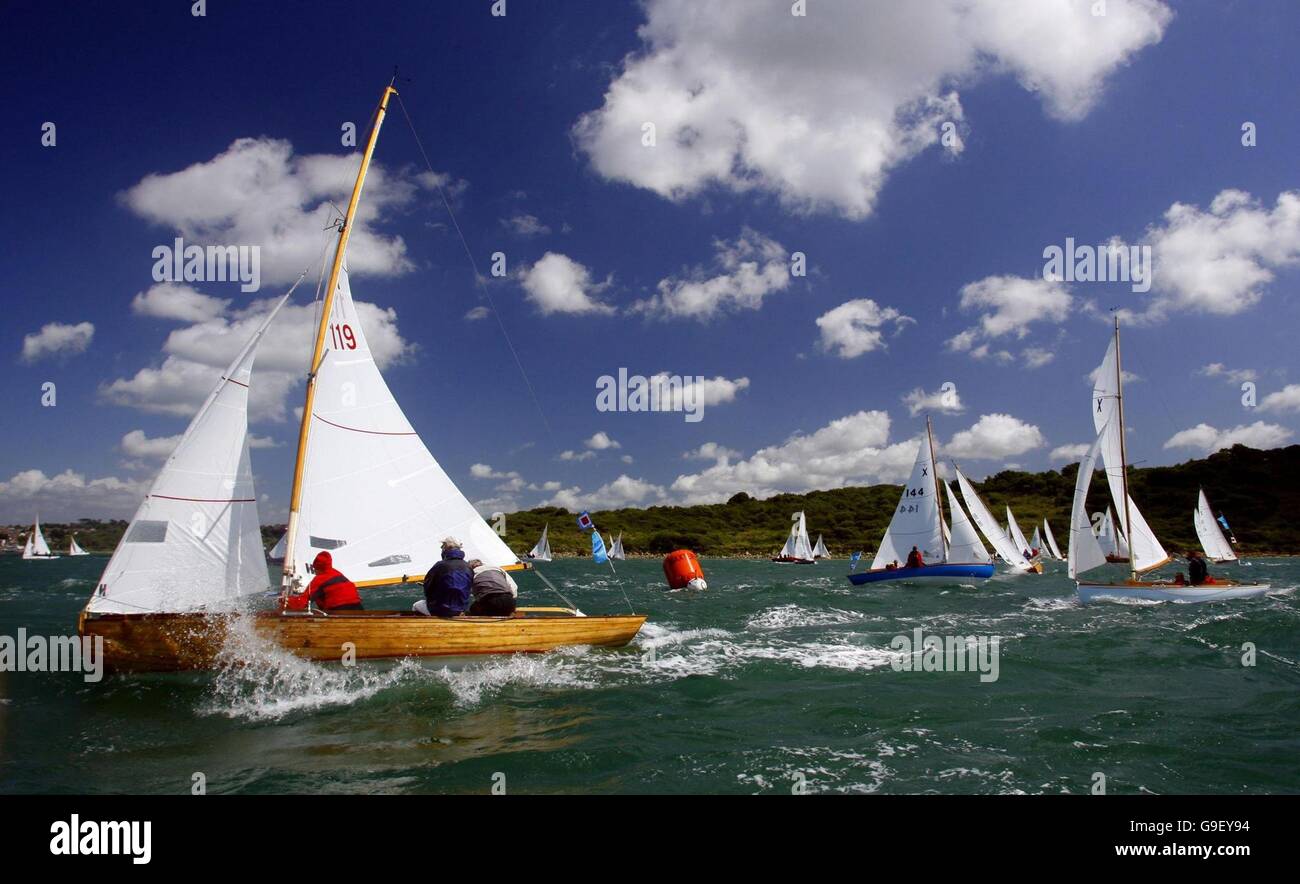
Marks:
<point>323,562</point>
<point>453,553</point>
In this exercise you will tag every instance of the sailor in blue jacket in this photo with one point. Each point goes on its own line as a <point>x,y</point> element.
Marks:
<point>448,583</point>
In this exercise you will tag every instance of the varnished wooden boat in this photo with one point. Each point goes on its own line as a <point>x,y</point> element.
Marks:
<point>1165,591</point>
<point>171,642</point>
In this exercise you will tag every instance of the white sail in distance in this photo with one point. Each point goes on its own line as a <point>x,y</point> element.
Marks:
<point>36,547</point>
<point>797,545</point>
<point>373,495</point>
<point>195,542</point>
<point>1216,546</point>
<point>541,550</point>
<point>916,519</point>
<point>277,552</point>
<point>1144,548</point>
<point>964,544</point>
<point>74,548</point>
<point>616,551</point>
<point>819,549</point>
<point>1017,535</point>
<point>980,515</point>
<point>1051,541</point>
<point>1084,552</point>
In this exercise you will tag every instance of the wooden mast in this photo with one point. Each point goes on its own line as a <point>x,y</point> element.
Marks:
<point>938,495</point>
<point>304,430</point>
<point>1123,456</point>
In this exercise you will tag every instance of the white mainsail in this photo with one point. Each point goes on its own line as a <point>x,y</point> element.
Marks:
<point>1084,552</point>
<point>1216,546</point>
<point>819,549</point>
<point>1002,544</point>
<point>195,542</point>
<point>74,548</point>
<point>616,550</point>
<point>797,545</point>
<point>1036,542</point>
<point>1051,542</point>
<point>36,547</point>
<point>1013,529</point>
<point>964,543</point>
<point>277,552</point>
<point>916,521</point>
<point>1145,549</point>
<point>372,494</point>
<point>541,551</point>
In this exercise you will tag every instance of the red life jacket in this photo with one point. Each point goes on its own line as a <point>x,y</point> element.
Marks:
<point>329,589</point>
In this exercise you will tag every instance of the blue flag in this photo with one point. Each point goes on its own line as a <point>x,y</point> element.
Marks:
<point>853,560</point>
<point>1224,523</point>
<point>598,554</point>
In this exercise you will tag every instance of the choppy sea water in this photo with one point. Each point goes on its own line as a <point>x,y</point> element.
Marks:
<point>775,676</point>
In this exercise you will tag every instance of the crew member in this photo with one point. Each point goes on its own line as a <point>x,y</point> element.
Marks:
<point>493,592</point>
<point>914,559</point>
<point>447,585</point>
<point>329,589</point>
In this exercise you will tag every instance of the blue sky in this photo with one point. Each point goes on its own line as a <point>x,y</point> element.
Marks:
<point>775,134</point>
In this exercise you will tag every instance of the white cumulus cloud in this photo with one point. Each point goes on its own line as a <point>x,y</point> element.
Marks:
<point>857,327</point>
<point>57,339</point>
<point>559,284</point>
<point>1208,439</point>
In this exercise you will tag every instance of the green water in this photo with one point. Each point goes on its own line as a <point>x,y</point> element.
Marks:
<point>775,673</point>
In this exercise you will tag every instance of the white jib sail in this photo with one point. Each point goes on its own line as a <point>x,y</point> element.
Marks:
<point>1017,535</point>
<point>1036,542</point>
<point>916,521</point>
<point>616,551</point>
<point>1145,549</point>
<point>1051,541</point>
<point>277,552</point>
<point>797,545</point>
<point>74,548</point>
<point>195,542</point>
<point>965,544</point>
<point>39,546</point>
<point>541,551</point>
<point>1216,546</point>
<point>819,549</point>
<point>27,547</point>
<point>980,515</point>
<point>372,494</point>
<point>1084,552</point>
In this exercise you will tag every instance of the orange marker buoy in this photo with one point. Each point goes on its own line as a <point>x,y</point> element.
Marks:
<point>683,570</point>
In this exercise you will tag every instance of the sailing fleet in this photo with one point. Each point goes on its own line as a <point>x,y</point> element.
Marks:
<point>368,490</point>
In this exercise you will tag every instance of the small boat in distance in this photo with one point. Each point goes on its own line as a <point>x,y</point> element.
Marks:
<point>541,551</point>
<point>1111,540</point>
<point>1144,548</point>
<point>74,548</point>
<point>1051,542</point>
<point>819,549</point>
<point>277,552</point>
<point>1216,545</point>
<point>918,522</point>
<point>36,549</point>
<point>797,550</point>
<point>616,548</point>
<point>996,535</point>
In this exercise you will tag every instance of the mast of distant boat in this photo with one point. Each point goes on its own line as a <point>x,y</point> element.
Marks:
<point>304,430</point>
<point>1123,454</point>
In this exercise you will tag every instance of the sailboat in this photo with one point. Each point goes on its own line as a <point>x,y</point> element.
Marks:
<point>277,552</point>
<point>1001,542</point>
<point>918,522</point>
<point>74,548</point>
<point>365,488</point>
<point>541,551</point>
<point>797,550</point>
<point>36,549</point>
<point>1145,551</point>
<point>1216,545</point>
<point>1111,540</point>
<point>1028,550</point>
<point>1051,542</point>
<point>616,548</point>
<point>819,549</point>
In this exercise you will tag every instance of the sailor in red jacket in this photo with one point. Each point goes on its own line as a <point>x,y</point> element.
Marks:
<point>329,589</point>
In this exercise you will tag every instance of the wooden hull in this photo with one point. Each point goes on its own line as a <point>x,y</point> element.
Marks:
<point>1170,592</point>
<point>169,642</point>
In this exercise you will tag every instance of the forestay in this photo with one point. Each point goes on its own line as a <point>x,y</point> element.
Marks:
<point>372,494</point>
<point>195,542</point>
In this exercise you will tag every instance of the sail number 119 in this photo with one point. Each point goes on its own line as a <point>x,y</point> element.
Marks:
<point>342,336</point>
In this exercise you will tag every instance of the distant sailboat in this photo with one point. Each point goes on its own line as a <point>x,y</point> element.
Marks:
<point>36,549</point>
<point>541,551</point>
<point>797,550</point>
<point>277,552</point>
<point>1002,543</point>
<point>1028,550</point>
<point>918,522</point>
<point>1145,551</point>
<point>616,548</point>
<point>819,549</point>
<point>1111,540</point>
<point>1216,545</point>
<point>1051,542</point>
<point>74,548</point>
